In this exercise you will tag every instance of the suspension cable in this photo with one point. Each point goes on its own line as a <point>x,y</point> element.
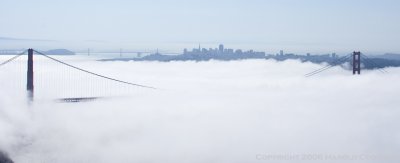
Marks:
<point>13,58</point>
<point>335,63</point>
<point>370,61</point>
<point>92,73</point>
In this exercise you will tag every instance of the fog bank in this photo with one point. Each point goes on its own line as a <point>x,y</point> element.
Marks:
<point>238,111</point>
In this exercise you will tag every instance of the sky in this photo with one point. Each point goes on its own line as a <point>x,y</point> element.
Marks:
<point>315,26</point>
<point>225,112</point>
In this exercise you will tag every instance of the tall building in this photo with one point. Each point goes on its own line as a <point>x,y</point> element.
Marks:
<point>281,52</point>
<point>221,48</point>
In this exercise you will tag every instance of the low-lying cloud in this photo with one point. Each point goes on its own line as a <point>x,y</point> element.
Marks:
<point>238,111</point>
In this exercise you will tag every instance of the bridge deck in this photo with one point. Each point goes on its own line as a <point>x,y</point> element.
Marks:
<point>78,99</point>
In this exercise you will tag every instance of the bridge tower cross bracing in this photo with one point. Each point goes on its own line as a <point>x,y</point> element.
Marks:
<point>356,63</point>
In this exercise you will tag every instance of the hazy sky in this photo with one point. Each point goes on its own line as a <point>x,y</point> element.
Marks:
<point>268,25</point>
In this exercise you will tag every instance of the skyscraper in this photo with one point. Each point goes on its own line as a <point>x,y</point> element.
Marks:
<point>221,48</point>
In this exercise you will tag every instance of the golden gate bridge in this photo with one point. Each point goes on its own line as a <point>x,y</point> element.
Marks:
<point>94,85</point>
<point>30,79</point>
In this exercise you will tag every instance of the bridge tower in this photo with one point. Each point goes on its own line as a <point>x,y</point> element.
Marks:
<point>356,63</point>
<point>29,85</point>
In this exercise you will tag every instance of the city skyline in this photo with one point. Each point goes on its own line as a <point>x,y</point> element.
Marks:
<point>201,48</point>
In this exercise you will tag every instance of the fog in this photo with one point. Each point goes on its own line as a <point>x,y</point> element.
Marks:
<point>237,111</point>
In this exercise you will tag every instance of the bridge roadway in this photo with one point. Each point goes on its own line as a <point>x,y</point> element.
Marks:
<point>78,99</point>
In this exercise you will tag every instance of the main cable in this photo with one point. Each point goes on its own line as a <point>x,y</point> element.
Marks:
<point>13,58</point>
<point>335,63</point>
<point>92,73</point>
<point>370,61</point>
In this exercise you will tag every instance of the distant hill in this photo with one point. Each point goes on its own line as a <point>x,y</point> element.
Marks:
<point>59,52</point>
<point>389,56</point>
